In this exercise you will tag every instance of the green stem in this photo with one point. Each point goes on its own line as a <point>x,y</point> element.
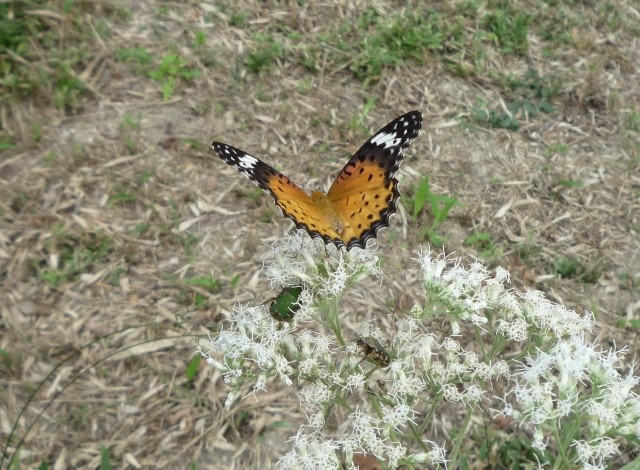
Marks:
<point>329,307</point>
<point>462,432</point>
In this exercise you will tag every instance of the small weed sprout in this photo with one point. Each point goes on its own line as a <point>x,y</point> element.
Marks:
<point>439,205</point>
<point>469,346</point>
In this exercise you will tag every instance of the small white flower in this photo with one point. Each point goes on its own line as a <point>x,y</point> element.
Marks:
<point>584,451</point>
<point>424,347</point>
<point>596,452</point>
<point>232,374</point>
<point>432,268</point>
<point>457,369</point>
<point>322,344</point>
<point>317,421</point>
<point>439,373</point>
<point>437,455</point>
<point>603,415</point>
<point>402,384</point>
<point>260,384</point>
<point>311,452</point>
<point>398,416</point>
<point>407,328</point>
<point>538,416</point>
<point>565,407</point>
<point>451,345</point>
<point>619,391</point>
<point>336,281</point>
<point>451,393</point>
<point>394,454</point>
<point>334,378</point>
<point>483,371</point>
<point>315,395</point>
<point>349,444</point>
<point>355,381</point>
<point>515,330</point>
<point>366,430</point>
<point>473,395</point>
<point>500,369</point>
<point>538,442</point>
<point>309,365</point>
<point>508,410</point>
<point>305,304</point>
<point>478,320</point>
<point>502,276</point>
<point>471,358</point>
<point>555,317</point>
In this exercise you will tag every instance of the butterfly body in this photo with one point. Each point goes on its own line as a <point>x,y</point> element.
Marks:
<point>332,217</point>
<point>360,200</point>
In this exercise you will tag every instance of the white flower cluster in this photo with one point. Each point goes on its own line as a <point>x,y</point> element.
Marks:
<point>380,386</point>
<point>316,451</point>
<point>256,339</point>
<point>300,259</point>
<point>576,382</point>
<point>239,347</point>
<point>569,381</point>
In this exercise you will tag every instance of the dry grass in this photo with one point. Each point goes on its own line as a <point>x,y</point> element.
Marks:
<point>118,202</point>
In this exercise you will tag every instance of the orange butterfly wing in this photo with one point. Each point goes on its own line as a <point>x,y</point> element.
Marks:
<point>297,205</point>
<point>365,192</point>
<point>360,200</point>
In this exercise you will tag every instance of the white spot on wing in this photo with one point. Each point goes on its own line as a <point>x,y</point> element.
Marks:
<point>388,140</point>
<point>247,161</point>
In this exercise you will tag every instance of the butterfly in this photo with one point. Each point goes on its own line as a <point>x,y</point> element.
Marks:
<point>362,197</point>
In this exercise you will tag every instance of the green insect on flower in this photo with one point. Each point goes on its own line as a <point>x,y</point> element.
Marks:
<point>285,305</point>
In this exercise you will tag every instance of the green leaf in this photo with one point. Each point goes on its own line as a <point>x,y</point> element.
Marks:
<point>105,458</point>
<point>192,368</point>
<point>420,197</point>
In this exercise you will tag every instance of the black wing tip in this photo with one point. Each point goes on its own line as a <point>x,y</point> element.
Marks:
<point>415,112</point>
<point>415,115</point>
<point>221,148</point>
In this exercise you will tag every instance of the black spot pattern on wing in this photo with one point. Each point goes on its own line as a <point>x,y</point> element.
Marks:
<point>387,146</point>
<point>385,215</point>
<point>384,149</point>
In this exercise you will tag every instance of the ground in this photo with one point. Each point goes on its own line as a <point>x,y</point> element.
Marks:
<point>124,238</point>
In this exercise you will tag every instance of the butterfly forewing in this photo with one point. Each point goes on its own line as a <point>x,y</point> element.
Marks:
<point>288,196</point>
<point>385,149</point>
